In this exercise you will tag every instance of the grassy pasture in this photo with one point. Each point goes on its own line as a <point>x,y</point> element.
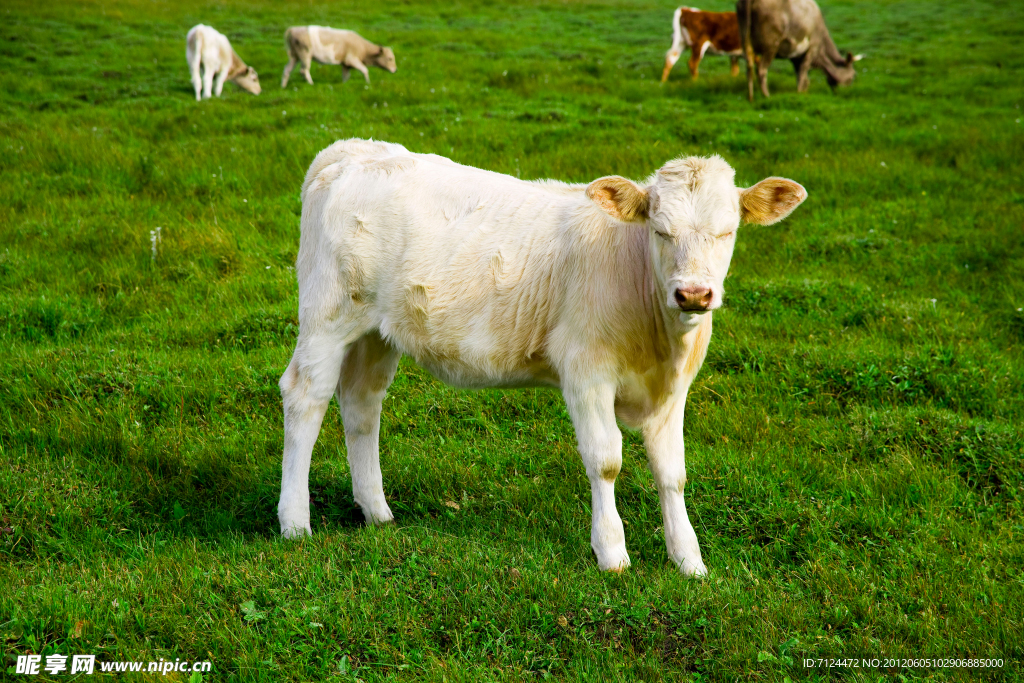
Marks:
<point>855,448</point>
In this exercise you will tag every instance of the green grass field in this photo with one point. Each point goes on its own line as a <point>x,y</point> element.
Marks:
<point>855,440</point>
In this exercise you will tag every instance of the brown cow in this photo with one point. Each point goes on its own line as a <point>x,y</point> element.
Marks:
<point>794,30</point>
<point>714,32</point>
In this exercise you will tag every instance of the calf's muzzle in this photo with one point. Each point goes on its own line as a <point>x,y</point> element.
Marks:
<point>694,298</point>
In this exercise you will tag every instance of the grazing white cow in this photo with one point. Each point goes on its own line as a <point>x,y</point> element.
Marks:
<point>602,290</point>
<point>210,49</point>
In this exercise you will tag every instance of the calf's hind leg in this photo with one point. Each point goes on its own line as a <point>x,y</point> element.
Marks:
<point>748,56</point>
<point>802,67</point>
<point>207,81</point>
<point>763,65</point>
<point>306,389</point>
<point>366,372</point>
<point>197,79</point>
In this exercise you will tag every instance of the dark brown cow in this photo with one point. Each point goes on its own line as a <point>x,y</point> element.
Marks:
<point>714,32</point>
<point>794,30</point>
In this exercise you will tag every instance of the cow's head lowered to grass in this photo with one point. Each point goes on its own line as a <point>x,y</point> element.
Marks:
<point>692,209</point>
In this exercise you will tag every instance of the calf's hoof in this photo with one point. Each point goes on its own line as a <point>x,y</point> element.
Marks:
<point>294,524</point>
<point>612,560</point>
<point>373,520</point>
<point>295,531</point>
<point>692,569</point>
<point>377,515</point>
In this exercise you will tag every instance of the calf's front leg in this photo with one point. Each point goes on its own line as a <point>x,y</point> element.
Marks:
<point>218,84</point>
<point>305,60</point>
<point>802,66</point>
<point>592,409</point>
<point>356,64</point>
<point>696,54</point>
<point>666,457</point>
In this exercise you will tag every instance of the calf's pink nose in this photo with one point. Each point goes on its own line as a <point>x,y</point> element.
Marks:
<point>694,298</point>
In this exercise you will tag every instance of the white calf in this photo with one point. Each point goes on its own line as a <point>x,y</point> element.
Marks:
<point>602,290</point>
<point>209,50</point>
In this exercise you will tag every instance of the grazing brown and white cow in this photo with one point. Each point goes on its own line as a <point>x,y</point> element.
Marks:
<point>603,290</point>
<point>794,30</point>
<point>714,32</point>
<point>326,45</point>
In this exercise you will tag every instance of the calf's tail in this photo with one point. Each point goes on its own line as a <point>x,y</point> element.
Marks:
<point>288,41</point>
<point>194,57</point>
<point>194,49</point>
<point>748,48</point>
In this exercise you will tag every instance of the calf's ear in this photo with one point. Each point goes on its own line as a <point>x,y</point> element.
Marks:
<point>770,200</point>
<point>620,198</point>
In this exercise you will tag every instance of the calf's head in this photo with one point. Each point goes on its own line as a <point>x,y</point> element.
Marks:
<point>385,59</point>
<point>248,80</point>
<point>692,208</point>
